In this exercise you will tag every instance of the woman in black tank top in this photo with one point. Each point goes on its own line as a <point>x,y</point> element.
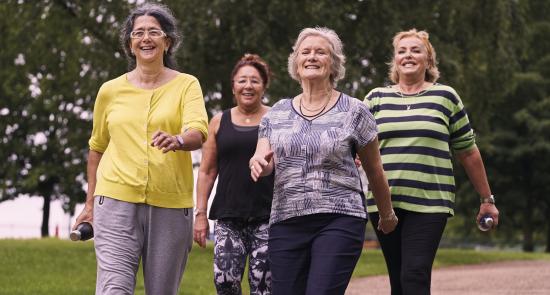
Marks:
<point>240,207</point>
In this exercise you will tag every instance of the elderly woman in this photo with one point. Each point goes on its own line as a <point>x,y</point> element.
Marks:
<point>240,207</point>
<point>140,177</point>
<point>318,213</point>
<point>420,122</point>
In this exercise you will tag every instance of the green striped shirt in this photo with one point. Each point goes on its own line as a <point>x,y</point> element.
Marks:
<point>417,134</point>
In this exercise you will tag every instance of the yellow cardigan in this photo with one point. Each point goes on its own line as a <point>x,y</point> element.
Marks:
<point>125,118</point>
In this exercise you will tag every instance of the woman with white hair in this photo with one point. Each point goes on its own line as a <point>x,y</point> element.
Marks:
<point>310,141</point>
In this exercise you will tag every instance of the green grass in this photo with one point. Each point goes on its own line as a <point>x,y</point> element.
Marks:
<point>51,266</point>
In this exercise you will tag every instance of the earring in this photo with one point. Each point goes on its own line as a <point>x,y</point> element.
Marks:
<point>166,50</point>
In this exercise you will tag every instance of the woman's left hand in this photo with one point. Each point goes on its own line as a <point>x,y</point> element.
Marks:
<point>488,209</point>
<point>387,224</point>
<point>164,141</point>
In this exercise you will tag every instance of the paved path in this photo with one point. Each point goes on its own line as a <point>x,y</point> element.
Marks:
<point>502,278</point>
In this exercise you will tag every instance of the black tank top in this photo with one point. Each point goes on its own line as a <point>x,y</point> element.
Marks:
<point>237,196</point>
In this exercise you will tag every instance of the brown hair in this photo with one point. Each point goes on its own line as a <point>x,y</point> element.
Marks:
<point>258,63</point>
<point>432,73</point>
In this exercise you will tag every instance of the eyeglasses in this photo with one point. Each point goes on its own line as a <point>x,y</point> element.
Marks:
<point>152,34</point>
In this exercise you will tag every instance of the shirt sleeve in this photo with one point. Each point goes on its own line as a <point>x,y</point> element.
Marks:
<point>462,135</point>
<point>368,99</point>
<point>264,130</point>
<point>100,137</point>
<point>194,111</point>
<point>363,125</point>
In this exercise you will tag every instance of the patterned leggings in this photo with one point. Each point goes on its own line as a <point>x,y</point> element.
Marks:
<point>237,239</point>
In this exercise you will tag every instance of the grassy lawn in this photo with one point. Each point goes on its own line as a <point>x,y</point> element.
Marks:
<point>51,266</point>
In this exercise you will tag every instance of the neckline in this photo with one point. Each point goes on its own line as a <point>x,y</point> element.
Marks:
<point>241,128</point>
<point>238,111</point>
<point>399,91</point>
<point>321,115</point>
<point>322,110</point>
<point>153,89</point>
<point>410,99</point>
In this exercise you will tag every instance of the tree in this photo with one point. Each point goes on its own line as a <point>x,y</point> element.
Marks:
<point>48,87</point>
<point>57,53</point>
<point>520,140</point>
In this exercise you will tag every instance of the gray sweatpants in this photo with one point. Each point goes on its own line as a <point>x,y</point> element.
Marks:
<point>125,232</point>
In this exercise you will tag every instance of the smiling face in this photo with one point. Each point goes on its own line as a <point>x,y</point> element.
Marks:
<point>248,87</point>
<point>411,58</point>
<point>149,48</point>
<point>313,61</point>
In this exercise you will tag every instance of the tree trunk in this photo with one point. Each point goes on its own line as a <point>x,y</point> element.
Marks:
<point>528,245</point>
<point>547,250</point>
<point>227,100</point>
<point>45,229</point>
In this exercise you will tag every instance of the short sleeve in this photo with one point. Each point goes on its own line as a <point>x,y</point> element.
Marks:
<point>100,137</point>
<point>462,135</point>
<point>368,100</point>
<point>363,125</point>
<point>264,130</point>
<point>194,112</point>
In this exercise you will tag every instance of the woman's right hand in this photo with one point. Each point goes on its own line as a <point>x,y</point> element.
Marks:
<point>387,223</point>
<point>201,229</point>
<point>258,163</point>
<point>87,215</point>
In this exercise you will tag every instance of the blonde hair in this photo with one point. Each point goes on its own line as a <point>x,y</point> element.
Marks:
<point>432,73</point>
<point>337,71</point>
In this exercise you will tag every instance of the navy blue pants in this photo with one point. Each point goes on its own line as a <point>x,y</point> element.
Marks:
<point>410,250</point>
<point>314,254</point>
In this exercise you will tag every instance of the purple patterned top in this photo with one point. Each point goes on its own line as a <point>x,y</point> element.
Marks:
<point>315,170</point>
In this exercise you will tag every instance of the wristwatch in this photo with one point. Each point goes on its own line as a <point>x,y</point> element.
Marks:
<point>179,138</point>
<point>490,199</point>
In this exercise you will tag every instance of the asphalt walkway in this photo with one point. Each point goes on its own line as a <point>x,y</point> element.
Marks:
<point>502,278</point>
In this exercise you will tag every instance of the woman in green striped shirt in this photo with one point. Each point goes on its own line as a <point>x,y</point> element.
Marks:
<point>421,123</point>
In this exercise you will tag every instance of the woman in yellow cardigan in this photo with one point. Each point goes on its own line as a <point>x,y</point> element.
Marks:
<point>140,178</point>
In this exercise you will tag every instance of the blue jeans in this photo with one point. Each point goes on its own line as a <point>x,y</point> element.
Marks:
<point>314,254</point>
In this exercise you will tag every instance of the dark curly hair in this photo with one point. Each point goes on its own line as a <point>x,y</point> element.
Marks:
<point>167,22</point>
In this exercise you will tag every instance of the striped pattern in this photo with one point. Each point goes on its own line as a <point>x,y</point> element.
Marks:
<point>314,159</point>
<point>417,135</point>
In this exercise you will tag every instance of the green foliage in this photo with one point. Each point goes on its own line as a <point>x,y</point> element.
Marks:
<point>57,53</point>
<point>55,59</point>
<point>520,145</point>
